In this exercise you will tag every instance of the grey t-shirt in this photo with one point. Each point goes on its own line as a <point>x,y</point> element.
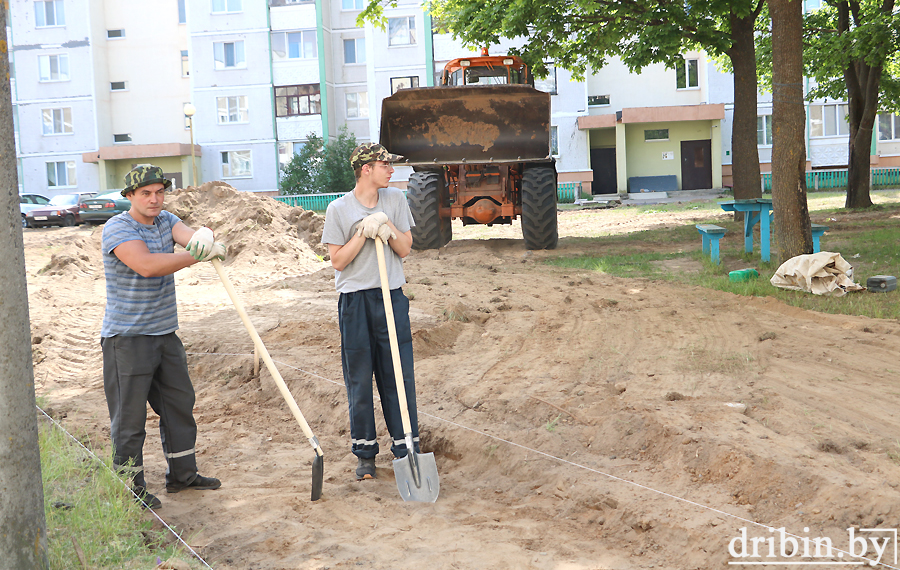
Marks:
<point>341,219</point>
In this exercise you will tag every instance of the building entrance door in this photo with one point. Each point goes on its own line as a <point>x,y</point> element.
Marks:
<point>696,165</point>
<point>603,163</point>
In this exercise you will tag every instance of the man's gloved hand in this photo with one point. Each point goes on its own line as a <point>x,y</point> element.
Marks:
<point>368,227</point>
<point>200,244</point>
<point>385,233</point>
<point>217,252</point>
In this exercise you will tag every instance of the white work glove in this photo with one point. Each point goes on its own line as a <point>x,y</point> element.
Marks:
<point>200,244</point>
<point>217,252</point>
<point>385,233</point>
<point>368,227</point>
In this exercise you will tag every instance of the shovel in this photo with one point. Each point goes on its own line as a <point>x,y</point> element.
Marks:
<point>318,466</point>
<point>416,474</point>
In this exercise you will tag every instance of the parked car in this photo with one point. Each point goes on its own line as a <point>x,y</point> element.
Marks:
<point>98,209</point>
<point>62,210</point>
<point>28,202</point>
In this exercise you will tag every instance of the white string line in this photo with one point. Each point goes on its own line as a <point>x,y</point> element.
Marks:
<point>116,475</point>
<point>566,461</point>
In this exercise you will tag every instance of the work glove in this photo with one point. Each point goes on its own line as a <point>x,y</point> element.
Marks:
<point>368,227</point>
<point>385,233</point>
<point>201,244</point>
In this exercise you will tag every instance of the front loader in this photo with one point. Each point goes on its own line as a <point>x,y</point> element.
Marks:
<point>479,146</point>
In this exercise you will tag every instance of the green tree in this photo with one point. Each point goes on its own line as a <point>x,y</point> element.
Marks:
<point>320,167</point>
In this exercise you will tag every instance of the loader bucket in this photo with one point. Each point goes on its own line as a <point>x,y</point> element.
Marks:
<point>478,124</point>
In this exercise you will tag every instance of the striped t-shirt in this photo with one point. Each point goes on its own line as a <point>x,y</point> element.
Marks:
<point>137,305</point>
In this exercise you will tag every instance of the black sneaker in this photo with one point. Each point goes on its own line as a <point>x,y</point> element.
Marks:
<point>365,469</point>
<point>200,483</point>
<point>145,499</point>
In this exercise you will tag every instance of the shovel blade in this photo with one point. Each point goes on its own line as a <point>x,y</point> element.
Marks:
<point>429,485</point>
<point>318,475</point>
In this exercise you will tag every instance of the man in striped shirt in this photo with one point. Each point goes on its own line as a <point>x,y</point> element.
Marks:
<point>143,359</point>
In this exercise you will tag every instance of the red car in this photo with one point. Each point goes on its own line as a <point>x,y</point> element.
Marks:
<point>63,210</point>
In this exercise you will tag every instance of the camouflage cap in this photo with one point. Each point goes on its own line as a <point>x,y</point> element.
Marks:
<point>143,175</point>
<point>370,152</point>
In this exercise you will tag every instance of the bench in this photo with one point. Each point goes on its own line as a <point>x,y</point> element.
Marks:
<point>711,235</point>
<point>817,231</point>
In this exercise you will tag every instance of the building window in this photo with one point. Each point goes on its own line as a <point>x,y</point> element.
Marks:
<point>402,31</point>
<point>122,138</point>
<point>352,4</point>
<point>357,105</point>
<point>687,75</point>
<point>293,100</point>
<point>61,174</point>
<point>828,120</point>
<point>598,100</point>
<point>53,67</point>
<point>223,6</point>
<point>118,86</point>
<point>57,121</point>
<point>185,63</point>
<point>49,13</point>
<point>547,84</point>
<point>182,13</point>
<point>554,140</point>
<point>888,127</point>
<point>229,54</point>
<point>232,109</point>
<point>656,135</point>
<point>236,163</point>
<point>355,50</point>
<point>115,34</point>
<point>764,130</point>
<point>295,45</point>
<point>398,83</point>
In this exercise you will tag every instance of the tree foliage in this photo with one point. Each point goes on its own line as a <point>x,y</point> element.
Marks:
<point>320,167</point>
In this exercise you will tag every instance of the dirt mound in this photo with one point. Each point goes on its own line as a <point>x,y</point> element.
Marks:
<point>79,256</point>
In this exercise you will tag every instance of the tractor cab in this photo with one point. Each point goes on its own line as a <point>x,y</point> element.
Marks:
<point>486,70</point>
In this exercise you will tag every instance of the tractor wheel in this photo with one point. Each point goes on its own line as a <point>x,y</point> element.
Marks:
<point>425,194</point>
<point>539,208</point>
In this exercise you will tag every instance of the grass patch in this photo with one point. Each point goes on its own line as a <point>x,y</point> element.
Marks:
<point>865,238</point>
<point>90,513</point>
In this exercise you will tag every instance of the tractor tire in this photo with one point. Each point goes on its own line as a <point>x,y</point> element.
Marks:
<point>539,226</point>
<point>425,194</point>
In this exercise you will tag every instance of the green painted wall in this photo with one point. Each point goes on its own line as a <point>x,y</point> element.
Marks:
<point>645,158</point>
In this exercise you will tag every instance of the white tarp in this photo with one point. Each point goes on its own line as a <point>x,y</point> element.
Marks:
<point>823,273</point>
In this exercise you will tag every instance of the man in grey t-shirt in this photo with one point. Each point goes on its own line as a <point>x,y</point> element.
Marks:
<point>372,209</point>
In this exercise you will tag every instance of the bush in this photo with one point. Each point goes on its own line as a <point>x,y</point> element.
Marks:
<point>321,168</point>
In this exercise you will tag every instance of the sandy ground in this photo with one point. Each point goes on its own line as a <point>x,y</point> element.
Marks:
<point>579,421</point>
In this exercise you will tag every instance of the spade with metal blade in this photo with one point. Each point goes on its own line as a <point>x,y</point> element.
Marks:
<point>318,466</point>
<point>416,474</point>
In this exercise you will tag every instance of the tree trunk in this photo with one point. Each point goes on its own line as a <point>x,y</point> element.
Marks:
<point>744,150</point>
<point>792,231</point>
<point>23,539</point>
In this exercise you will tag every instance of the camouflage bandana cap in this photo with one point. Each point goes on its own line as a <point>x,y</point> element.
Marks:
<point>370,152</point>
<point>144,175</point>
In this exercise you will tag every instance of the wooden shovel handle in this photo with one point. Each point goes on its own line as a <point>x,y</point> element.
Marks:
<point>279,381</point>
<point>392,333</point>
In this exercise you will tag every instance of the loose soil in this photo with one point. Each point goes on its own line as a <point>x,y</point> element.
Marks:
<point>579,421</point>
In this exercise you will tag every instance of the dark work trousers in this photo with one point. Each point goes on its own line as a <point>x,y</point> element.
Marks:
<point>366,350</point>
<point>141,369</point>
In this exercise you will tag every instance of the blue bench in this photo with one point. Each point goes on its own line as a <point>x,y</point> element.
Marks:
<point>817,231</point>
<point>711,235</point>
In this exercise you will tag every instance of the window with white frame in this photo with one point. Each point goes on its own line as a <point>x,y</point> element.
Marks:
<point>182,12</point>
<point>554,140</point>
<point>352,4</point>
<point>229,55</point>
<point>232,109</point>
<point>115,34</point>
<point>223,6</point>
<point>888,127</point>
<point>236,163</point>
<point>49,13</point>
<point>598,100</point>
<point>357,104</point>
<point>656,135</point>
<point>118,85</point>
<point>295,45</point>
<point>402,31</point>
<point>294,100</point>
<point>398,83</point>
<point>61,174</point>
<point>547,84</point>
<point>828,120</point>
<point>687,74</point>
<point>57,121</point>
<point>53,67</point>
<point>185,63</point>
<point>122,138</point>
<point>764,130</point>
<point>355,50</point>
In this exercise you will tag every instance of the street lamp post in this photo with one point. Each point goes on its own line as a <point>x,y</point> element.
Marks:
<point>189,111</point>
